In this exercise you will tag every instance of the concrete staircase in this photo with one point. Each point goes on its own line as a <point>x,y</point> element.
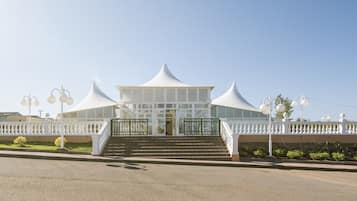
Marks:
<point>174,147</point>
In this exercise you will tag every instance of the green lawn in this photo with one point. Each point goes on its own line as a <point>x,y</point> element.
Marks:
<point>72,147</point>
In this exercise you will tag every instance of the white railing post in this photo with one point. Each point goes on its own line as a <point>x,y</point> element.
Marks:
<point>95,145</point>
<point>285,125</point>
<point>342,124</point>
<point>100,139</point>
<point>235,152</point>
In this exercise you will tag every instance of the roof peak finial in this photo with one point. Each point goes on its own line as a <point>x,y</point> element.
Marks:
<point>233,86</point>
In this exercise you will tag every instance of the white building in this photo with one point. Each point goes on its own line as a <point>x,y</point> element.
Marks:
<point>96,105</point>
<point>165,101</point>
<point>169,106</point>
<point>232,105</point>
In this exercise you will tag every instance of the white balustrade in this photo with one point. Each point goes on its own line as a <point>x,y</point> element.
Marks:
<point>51,128</point>
<point>227,136</point>
<point>99,141</point>
<point>291,127</point>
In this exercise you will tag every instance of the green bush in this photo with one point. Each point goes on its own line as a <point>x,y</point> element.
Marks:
<point>319,155</point>
<point>355,158</point>
<point>260,153</point>
<point>58,141</point>
<point>244,151</point>
<point>295,154</point>
<point>21,141</point>
<point>279,152</point>
<point>338,156</point>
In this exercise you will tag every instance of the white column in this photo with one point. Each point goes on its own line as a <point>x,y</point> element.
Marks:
<point>286,125</point>
<point>235,152</point>
<point>95,145</point>
<point>342,124</point>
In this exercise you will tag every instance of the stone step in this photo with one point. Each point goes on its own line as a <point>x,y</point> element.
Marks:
<point>212,158</point>
<point>166,150</point>
<point>166,154</point>
<point>178,147</point>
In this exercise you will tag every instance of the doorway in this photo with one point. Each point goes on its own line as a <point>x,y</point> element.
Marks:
<point>170,122</point>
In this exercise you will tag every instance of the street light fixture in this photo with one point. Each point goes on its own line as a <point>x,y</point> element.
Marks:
<point>64,98</point>
<point>301,102</point>
<point>267,108</point>
<point>30,101</point>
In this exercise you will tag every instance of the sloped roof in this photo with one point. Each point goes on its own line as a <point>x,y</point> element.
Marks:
<point>96,98</point>
<point>164,79</point>
<point>232,98</point>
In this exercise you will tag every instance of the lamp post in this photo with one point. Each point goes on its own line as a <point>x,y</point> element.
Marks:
<point>30,101</point>
<point>301,102</point>
<point>267,108</point>
<point>64,98</point>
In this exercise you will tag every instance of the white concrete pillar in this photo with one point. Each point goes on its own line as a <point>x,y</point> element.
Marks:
<point>286,124</point>
<point>342,124</point>
<point>95,145</point>
<point>235,152</point>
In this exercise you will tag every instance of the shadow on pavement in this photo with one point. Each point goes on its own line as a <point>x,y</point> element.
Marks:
<point>127,165</point>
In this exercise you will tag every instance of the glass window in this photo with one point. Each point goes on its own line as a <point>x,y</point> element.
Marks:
<point>181,95</point>
<point>192,95</point>
<point>170,95</point>
<point>203,95</point>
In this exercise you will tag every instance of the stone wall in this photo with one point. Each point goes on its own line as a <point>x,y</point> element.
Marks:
<point>299,138</point>
<point>51,139</point>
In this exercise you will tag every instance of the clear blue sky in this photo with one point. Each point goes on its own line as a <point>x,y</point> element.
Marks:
<point>269,47</point>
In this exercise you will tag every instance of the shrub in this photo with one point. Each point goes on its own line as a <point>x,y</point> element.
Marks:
<point>338,156</point>
<point>279,152</point>
<point>354,158</point>
<point>21,141</point>
<point>319,155</point>
<point>260,153</point>
<point>244,151</point>
<point>295,154</point>
<point>58,141</point>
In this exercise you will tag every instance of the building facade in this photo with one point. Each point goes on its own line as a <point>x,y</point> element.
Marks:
<point>165,103</point>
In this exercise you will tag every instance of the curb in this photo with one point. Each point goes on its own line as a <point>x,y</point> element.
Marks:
<point>180,162</point>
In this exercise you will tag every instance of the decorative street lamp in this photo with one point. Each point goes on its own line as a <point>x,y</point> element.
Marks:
<point>64,97</point>
<point>326,118</point>
<point>303,102</point>
<point>267,108</point>
<point>30,101</point>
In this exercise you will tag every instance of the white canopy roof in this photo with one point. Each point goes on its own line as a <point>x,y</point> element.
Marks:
<point>232,98</point>
<point>165,79</point>
<point>96,98</point>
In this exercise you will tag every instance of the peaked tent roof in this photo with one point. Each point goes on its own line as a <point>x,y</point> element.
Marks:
<point>96,98</point>
<point>164,79</point>
<point>232,98</point>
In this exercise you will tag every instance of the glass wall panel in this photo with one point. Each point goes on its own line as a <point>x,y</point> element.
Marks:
<point>192,95</point>
<point>170,95</point>
<point>181,95</point>
<point>203,95</point>
<point>148,95</point>
<point>159,95</point>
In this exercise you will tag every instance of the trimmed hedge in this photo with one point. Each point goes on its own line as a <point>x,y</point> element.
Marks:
<point>280,152</point>
<point>337,156</point>
<point>260,153</point>
<point>319,155</point>
<point>21,141</point>
<point>295,154</point>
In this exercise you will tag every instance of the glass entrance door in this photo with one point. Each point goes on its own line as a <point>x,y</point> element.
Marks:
<point>170,122</point>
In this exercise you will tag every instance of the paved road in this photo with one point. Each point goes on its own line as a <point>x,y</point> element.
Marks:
<point>47,180</point>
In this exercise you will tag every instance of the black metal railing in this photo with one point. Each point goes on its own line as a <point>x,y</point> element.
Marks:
<point>201,126</point>
<point>129,127</point>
